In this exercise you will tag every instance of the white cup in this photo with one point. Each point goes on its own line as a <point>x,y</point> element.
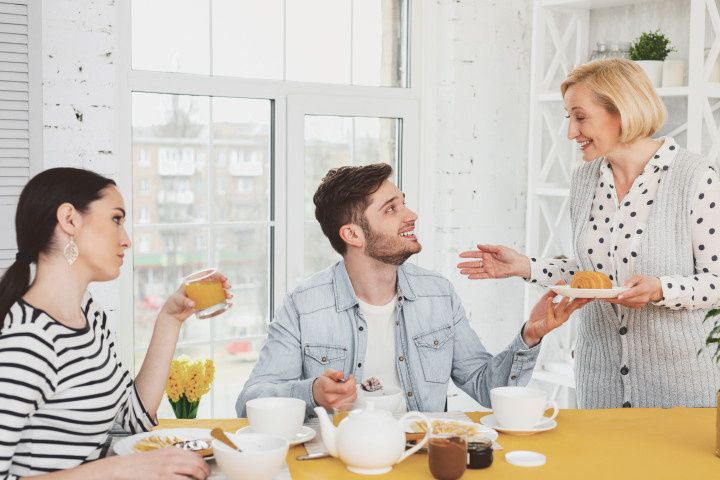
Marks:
<point>520,408</point>
<point>276,415</point>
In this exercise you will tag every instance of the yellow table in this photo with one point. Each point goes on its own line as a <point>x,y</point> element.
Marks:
<point>587,444</point>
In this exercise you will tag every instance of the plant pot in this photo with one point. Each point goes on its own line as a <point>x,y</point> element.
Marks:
<point>184,408</point>
<point>673,73</point>
<point>717,427</point>
<point>653,69</point>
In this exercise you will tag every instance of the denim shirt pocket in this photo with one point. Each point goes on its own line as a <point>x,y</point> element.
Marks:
<point>319,357</point>
<point>435,348</point>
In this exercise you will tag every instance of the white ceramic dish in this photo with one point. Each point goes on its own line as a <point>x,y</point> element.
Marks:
<point>261,458</point>
<point>124,446</point>
<point>482,430</point>
<point>525,458</point>
<point>566,291</point>
<point>389,398</point>
<point>491,422</point>
<point>304,435</point>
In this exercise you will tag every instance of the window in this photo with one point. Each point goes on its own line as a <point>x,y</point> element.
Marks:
<point>143,158</point>
<point>235,158</point>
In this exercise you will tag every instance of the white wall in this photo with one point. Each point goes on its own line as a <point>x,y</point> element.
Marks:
<point>482,126</point>
<point>79,78</point>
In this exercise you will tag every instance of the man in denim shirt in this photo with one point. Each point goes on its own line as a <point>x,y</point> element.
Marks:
<point>374,314</point>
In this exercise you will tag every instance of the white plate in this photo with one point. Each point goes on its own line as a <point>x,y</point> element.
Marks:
<point>125,445</point>
<point>304,435</point>
<point>491,421</point>
<point>566,291</point>
<point>482,430</point>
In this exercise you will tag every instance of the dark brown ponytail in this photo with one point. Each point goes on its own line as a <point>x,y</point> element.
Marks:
<point>36,218</point>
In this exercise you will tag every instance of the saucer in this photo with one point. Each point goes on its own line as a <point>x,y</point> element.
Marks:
<point>491,421</point>
<point>304,435</point>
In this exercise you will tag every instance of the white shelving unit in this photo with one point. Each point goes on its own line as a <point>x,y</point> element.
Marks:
<point>560,41</point>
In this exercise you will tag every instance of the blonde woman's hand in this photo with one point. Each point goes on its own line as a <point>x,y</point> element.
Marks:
<point>494,261</point>
<point>165,464</point>
<point>546,316</point>
<point>180,307</point>
<point>643,289</point>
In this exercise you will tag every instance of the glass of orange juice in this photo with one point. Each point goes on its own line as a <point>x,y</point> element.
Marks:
<point>206,290</point>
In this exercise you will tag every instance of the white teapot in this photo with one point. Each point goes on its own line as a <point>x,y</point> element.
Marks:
<point>369,441</point>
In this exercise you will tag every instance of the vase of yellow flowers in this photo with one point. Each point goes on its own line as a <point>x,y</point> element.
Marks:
<point>188,381</point>
<point>713,342</point>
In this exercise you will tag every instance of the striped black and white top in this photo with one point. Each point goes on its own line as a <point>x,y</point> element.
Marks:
<point>61,390</point>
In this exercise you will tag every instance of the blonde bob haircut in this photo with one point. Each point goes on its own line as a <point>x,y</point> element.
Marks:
<point>622,87</point>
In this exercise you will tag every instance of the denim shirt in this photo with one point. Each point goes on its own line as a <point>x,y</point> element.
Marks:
<point>320,326</point>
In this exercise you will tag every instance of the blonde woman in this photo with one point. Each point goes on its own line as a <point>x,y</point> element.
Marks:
<point>646,212</point>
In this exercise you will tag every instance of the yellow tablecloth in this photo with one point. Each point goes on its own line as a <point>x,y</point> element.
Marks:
<point>587,444</point>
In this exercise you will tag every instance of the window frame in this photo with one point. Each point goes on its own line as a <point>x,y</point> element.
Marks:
<point>289,99</point>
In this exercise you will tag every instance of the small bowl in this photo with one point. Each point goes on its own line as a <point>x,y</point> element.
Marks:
<point>261,458</point>
<point>389,398</point>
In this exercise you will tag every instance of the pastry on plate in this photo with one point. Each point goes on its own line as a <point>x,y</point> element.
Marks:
<point>594,280</point>
<point>156,442</point>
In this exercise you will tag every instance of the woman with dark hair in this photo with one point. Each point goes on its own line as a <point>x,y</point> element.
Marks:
<point>62,385</point>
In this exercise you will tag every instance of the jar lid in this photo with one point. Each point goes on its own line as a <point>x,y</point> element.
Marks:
<point>525,458</point>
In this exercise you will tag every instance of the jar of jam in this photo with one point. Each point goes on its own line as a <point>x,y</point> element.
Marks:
<point>480,453</point>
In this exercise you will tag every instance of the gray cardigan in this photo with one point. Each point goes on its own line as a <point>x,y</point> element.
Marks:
<point>653,361</point>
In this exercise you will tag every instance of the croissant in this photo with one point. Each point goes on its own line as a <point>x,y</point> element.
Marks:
<point>590,280</point>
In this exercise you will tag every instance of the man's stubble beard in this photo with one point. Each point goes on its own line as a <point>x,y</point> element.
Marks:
<point>380,247</point>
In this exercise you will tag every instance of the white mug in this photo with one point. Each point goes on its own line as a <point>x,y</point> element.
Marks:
<point>521,408</point>
<point>276,415</point>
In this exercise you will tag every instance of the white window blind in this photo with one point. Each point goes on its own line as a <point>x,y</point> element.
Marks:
<point>19,115</point>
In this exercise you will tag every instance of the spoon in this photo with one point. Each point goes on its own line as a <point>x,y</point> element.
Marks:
<point>218,434</point>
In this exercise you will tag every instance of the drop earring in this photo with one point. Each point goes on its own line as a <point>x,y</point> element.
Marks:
<point>71,251</point>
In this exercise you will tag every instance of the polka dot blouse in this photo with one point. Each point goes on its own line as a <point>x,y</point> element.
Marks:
<point>616,229</point>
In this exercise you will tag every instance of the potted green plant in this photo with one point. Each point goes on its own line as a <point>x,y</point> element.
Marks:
<point>650,50</point>
<point>713,342</point>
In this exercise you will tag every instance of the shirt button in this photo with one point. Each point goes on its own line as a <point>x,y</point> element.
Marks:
<point>402,359</point>
<point>361,328</point>
<point>360,365</point>
<point>436,343</point>
<point>323,359</point>
<point>513,377</point>
<point>409,394</point>
<point>624,370</point>
<point>397,323</point>
<point>623,330</point>
<point>627,405</point>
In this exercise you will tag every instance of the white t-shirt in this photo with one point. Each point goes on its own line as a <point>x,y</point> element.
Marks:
<point>380,356</point>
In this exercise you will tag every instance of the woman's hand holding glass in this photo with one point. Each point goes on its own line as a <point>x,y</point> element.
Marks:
<point>179,306</point>
<point>494,261</point>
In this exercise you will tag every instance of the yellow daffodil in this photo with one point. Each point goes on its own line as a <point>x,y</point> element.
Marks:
<point>188,381</point>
